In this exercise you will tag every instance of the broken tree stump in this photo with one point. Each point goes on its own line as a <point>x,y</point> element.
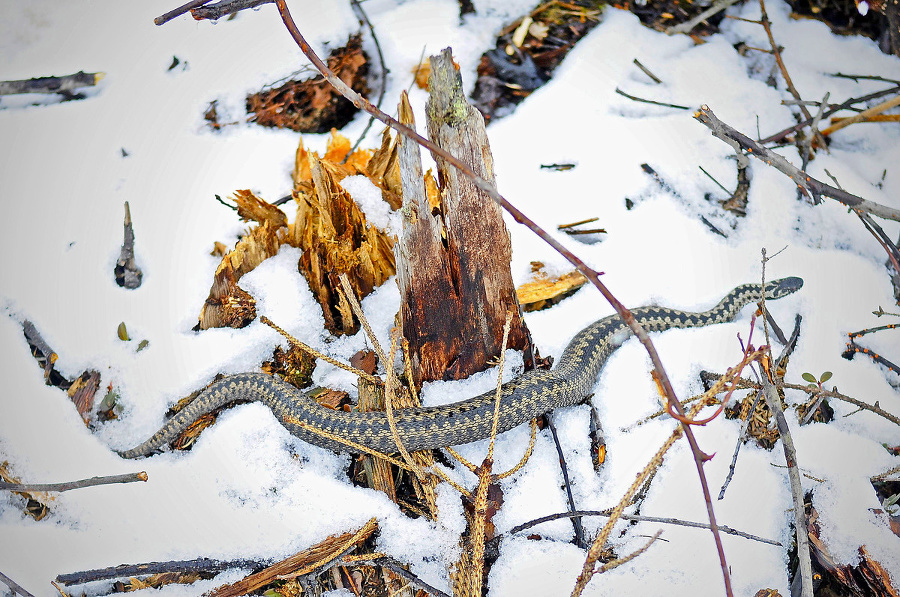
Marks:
<point>454,252</point>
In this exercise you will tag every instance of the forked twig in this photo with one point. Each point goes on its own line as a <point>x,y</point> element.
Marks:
<point>812,187</point>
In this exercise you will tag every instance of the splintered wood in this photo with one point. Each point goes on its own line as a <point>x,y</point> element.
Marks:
<point>229,305</point>
<point>334,234</point>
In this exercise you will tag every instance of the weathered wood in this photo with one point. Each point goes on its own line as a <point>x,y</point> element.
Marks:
<point>454,252</point>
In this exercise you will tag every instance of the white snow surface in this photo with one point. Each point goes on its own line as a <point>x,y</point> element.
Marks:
<point>249,489</point>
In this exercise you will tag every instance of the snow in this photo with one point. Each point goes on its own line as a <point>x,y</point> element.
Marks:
<point>249,489</point>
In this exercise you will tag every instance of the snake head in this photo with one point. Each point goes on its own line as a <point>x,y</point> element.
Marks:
<point>777,289</point>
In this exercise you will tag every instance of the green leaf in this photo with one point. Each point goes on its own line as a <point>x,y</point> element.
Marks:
<point>825,377</point>
<point>144,344</point>
<point>809,377</point>
<point>122,332</point>
<point>891,500</point>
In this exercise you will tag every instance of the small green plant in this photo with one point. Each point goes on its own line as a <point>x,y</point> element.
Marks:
<point>813,382</point>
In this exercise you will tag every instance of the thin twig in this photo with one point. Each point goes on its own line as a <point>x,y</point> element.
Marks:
<point>886,474</point>
<point>576,520</point>
<point>843,106</point>
<point>716,8</point>
<point>646,101</point>
<point>14,587</point>
<point>815,188</point>
<point>776,51</point>
<point>65,85</point>
<point>743,382</point>
<point>624,560</point>
<point>109,480</point>
<point>742,437</point>
<point>357,7</point>
<point>646,70</point>
<point>883,106</point>
<point>634,518</point>
<point>177,12</point>
<point>790,456</point>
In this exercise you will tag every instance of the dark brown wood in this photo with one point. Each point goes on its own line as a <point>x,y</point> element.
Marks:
<point>454,252</point>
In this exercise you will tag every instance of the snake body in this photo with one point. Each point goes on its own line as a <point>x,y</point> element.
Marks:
<point>528,396</point>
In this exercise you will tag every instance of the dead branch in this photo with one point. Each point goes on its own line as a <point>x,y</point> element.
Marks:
<point>576,520</point>
<point>717,7</point>
<point>812,187</point>
<point>743,382</point>
<point>843,106</point>
<point>873,111</point>
<point>315,559</point>
<point>65,84</point>
<point>13,586</point>
<point>790,456</point>
<point>776,51</point>
<point>177,12</point>
<point>224,8</point>
<point>363,17</point>
<point>634,518</point>
<point>129,570</point>
<point>126,478</point>
<point>646,101</point>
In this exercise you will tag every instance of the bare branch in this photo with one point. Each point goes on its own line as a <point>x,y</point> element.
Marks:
<point>126,478</point>
<point>813,187</point>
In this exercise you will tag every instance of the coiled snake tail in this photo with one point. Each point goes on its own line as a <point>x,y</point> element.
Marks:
<point>522,399</point>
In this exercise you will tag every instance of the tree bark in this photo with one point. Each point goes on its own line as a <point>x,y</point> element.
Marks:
<point>454,252</point>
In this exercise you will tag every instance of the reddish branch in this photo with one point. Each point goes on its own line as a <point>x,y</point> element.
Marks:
<point>592,275</point>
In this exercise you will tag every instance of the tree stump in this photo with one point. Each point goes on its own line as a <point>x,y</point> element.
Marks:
<point>454,252</point>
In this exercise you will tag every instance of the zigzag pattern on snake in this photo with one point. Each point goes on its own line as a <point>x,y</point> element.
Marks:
<point>528,396</point>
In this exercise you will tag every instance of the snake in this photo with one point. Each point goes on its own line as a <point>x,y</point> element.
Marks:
<point>522,399</point>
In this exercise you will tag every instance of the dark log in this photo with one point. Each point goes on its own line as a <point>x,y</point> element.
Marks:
<point>454,252</point>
